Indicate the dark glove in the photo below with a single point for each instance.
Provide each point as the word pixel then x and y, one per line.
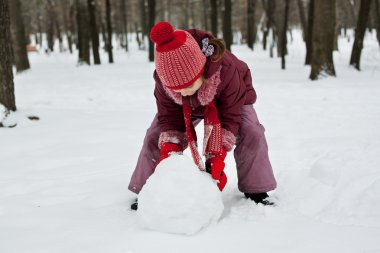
pixel 215 166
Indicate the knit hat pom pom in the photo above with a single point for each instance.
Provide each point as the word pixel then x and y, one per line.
pixel 162 32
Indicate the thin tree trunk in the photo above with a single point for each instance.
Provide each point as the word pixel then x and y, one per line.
pixel 124 24
pixel 359 33
pixel 83 33
pixel 151 16
pixel 227 24
pixel 94 31
pixel 58 32
pixel 309 37
pixel 351 3
pixel 39 28
pixel 214 17
pixel 66 25
pixel 284 31
pixel 109 31
pixel 301 10
pixel 251 23
pixel 266 27
pixel 323 39
pixel 18 36
pixel 271 12
pixel 50 26
pixel 143 18
pixel 377 19
pixel 79 29
pixel 7 95
pixel 205 11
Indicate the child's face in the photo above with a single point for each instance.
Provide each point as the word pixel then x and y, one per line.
pixel 189 91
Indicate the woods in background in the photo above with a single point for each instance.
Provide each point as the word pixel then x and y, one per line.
pixel 85 27
pixel 93 25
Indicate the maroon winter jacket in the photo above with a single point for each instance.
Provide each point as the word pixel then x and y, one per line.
pixel 231 88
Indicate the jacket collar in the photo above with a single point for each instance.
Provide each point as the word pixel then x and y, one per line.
pixel 206 92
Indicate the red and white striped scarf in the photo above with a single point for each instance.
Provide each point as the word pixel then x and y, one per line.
pixel 212 142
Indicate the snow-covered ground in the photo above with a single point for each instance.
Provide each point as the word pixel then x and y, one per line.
pixel 63 179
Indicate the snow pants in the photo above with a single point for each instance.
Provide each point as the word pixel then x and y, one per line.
pixel 254 170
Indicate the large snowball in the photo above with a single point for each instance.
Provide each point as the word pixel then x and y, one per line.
pixel 179 198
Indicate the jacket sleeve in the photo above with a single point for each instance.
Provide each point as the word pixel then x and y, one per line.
pixel 170 117
pixel 230 103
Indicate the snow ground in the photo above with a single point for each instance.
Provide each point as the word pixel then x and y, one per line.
pixel 63 179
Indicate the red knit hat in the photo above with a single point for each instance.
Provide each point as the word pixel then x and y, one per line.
pixel 179 59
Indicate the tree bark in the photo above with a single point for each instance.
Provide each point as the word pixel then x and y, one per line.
pixel 273 25
pixel 39 28
pixel 309 36
pixel 377 19
pixel 94 31
pixel 323 39
pixel 251 27
pixel 143 19
pixel 301 10
pixel 83 33
pixel 205 14
pixel 359 33
pixel 50 26
pixel 284 38
pixel 124 24
pixel 214 17
pixel 227 24
pixel 20 54
pixel 266 27
pixel 66 25
pixel 7 95
pixel 151 16
pixel 109 31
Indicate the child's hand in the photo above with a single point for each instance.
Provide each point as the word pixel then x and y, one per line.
pixel 215 166
pixel 168 149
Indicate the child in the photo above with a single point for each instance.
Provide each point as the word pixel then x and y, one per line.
pixel 197 78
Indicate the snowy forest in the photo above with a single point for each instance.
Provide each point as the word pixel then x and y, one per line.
pixel 77 96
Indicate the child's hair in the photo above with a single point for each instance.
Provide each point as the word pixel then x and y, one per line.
pixel 219 47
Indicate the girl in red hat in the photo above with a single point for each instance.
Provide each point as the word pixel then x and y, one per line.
pixel 197 78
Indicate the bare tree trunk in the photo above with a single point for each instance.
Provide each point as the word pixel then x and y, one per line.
pixel 50 26
pixel 151 16
pixel 352 4
pixel 39 28
pixel 266 27
pixel 301 10
pixel 7 96
pixel 227 24
pixel 109 32
pixel 359 33
pixel 83 33
pixel 124 24
pixel 79 29
pixel 323 39
pixel 72 24
pixel 66 26
pixel 251 27
pixel 309 37
pixel 269 7
pixel 94 31
pixel 214 17
pixel 377 19
pixel 18 36
pixel 143 18
pixel 205 11
pixel 271 11
pixel 58 32
pixel 284 31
